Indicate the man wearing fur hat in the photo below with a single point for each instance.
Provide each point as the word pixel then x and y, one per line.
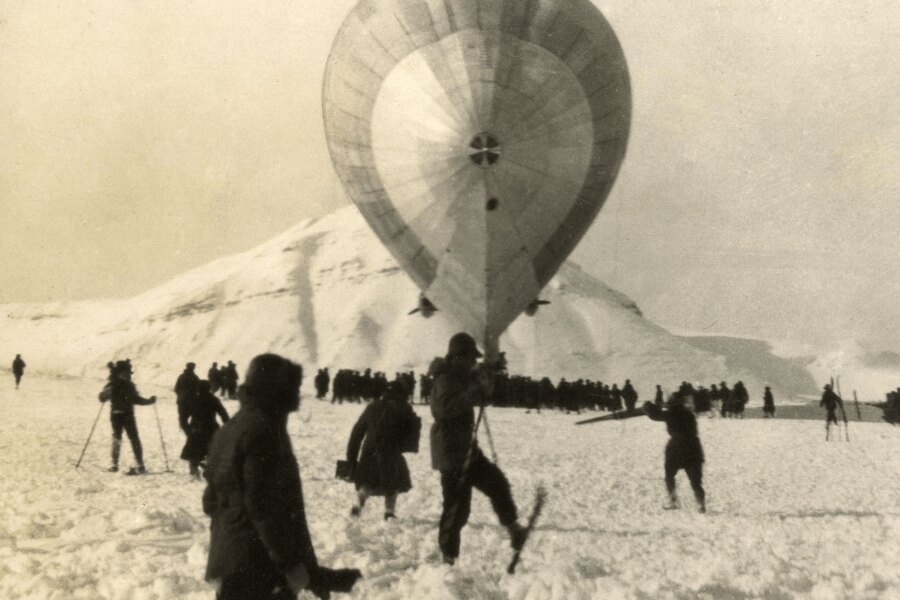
pixel 683 450
pixel 122 396
pixel 260 546
pixel 458 386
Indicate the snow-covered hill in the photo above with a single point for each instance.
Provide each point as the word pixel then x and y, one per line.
pixel 326 293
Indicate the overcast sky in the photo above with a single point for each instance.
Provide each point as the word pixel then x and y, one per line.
pixel 759 195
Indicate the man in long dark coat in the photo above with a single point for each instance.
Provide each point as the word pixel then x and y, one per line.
pixel 380 469
pixel 458 387
pixel 260 545
pixel 197 417
pixel 683 450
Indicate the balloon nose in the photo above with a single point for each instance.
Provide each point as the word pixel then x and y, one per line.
pixel 484 149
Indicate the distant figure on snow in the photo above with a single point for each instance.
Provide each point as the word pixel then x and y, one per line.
pixel 322 383
pixel 831 402
pixel 459 385
pixel 231 379
pixel 215 379
pixel 260 546
pixel 683 451
pixel 768 403
pixel 18 369
pixel 122 395
pixel 198 421
pixel 382 430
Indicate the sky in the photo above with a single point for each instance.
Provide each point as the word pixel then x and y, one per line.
pixel 759 195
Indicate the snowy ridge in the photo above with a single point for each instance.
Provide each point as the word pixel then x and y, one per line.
pixel 326 293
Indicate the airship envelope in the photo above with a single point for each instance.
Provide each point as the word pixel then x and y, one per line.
pixel 479 139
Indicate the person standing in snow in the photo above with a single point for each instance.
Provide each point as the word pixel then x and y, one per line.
pixel 683 451
pixel 215 380
pixel 629 395
pixel 185 392
pixel 380 470
pixel 768 403
pixel 458 386
pixel 18 368
pixel 198 421
pixel 231 379
pixel 122 395
pixel 831 402
pixel 260 546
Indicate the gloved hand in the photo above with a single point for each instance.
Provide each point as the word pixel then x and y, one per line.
pixel 152 399
pixel 297 579
pixel 323 581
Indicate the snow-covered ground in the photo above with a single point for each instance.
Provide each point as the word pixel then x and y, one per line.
pixel 791 516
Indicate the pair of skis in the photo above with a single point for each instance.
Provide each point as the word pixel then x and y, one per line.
pixel 540 496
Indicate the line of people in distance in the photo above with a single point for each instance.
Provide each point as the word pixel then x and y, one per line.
pixel 521 391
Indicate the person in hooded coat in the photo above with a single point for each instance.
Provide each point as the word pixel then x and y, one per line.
pixel 458 386
pixel 198 421
pixel 380 469
pixel 260 546
pixel 683 451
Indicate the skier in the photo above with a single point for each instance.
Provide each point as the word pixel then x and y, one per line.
pixel 683 451
pixel 459 385
pixel 198 421
pixel 768 403
pixel 18 368
pixel 185 392
pixel 260 546
pixel 380 470
pixel 123 395
pixel 830 401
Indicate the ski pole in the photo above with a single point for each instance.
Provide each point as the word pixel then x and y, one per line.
pixel 856 404
pixel 846 427
pixel 90 435
pixel 161 438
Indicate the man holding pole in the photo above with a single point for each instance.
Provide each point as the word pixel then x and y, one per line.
pixel 460 384
pixel 122 396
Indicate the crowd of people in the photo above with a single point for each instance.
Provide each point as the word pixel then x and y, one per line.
pixel 260 542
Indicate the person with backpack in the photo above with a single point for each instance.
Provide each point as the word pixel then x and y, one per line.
pixel 198 421
pixel 459 385
pixel 122 395
pixel 260 545
pixel 383 431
